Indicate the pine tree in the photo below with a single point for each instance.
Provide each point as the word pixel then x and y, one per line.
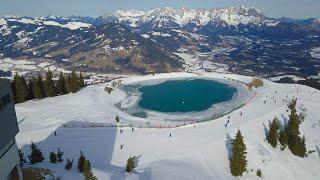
pixel 38 89
pixel 81 162
pixel 302 148
pixel 59 155
pixel 61 85
pixel 292 104
pixel 297 146
pixel 88 175
pixel 68 83
pixel 81 81
pixel 259 173
pixel 23 93
pixel 49 87
pixel 74 82
pixel 131 164
pixel 283 138
pixel 290 136
pixel 69 163
pixel 117 119
pixel 13 88
pixel 53 157
pixel 36 154
pixel 238 161
pixel 20 89
pixel 21 156
pixel 294 122
pixel 272 136
pixel 30 89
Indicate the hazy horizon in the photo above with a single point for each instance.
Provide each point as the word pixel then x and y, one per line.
pixel 94 8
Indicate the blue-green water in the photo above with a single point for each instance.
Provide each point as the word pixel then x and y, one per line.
pixel 184 95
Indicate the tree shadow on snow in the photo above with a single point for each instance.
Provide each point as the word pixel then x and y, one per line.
pixel 284 122
pixel 97 144
pixel 145 175
pixel 229 145
pixel 318 149
pixel 266 129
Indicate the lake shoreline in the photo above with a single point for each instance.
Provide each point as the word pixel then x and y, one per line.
pixel 129 103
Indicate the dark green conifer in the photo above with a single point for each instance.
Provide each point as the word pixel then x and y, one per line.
pixel 283 138
pixel 131 164
pixel 74 82
pixel 88 175
pixel 259 173
pixel 302 152
pixel 117 119
pixel 36 154
pixel 59 155
pixel 81 81
pixel 30 89
pixel 238 161
pixel 20 89
pixel 38 90
pixel 68 165
pixel 49 87
pixel 53 157
pixel 68 79
pixel 13 88
pixel 22 159
pixel 272 136
pixel 290 136
pixel 81 162
pixel 61 85
pixel 24 87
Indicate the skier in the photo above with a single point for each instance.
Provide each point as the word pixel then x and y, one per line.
pixel 170 135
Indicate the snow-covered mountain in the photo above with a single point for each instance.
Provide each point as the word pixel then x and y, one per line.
pixel 108 47
pixel 170 17
pixel 45 21
pixel 141 41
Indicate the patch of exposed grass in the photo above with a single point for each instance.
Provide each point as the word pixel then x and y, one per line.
pixel 108 89
pixel 255 83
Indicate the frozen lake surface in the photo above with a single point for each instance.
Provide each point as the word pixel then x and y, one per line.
pixel 182 99
pixel 184 95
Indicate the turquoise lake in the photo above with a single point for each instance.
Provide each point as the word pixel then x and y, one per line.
pixel 184 95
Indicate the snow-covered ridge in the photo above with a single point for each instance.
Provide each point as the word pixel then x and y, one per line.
pixel 43 21
pixel 183 16
pixel 69 25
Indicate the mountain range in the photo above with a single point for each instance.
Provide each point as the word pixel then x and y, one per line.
pixel 142 41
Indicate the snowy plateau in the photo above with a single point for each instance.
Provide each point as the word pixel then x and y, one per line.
pixel 195 151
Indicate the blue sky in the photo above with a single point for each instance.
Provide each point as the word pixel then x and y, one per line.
pixel 272 8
